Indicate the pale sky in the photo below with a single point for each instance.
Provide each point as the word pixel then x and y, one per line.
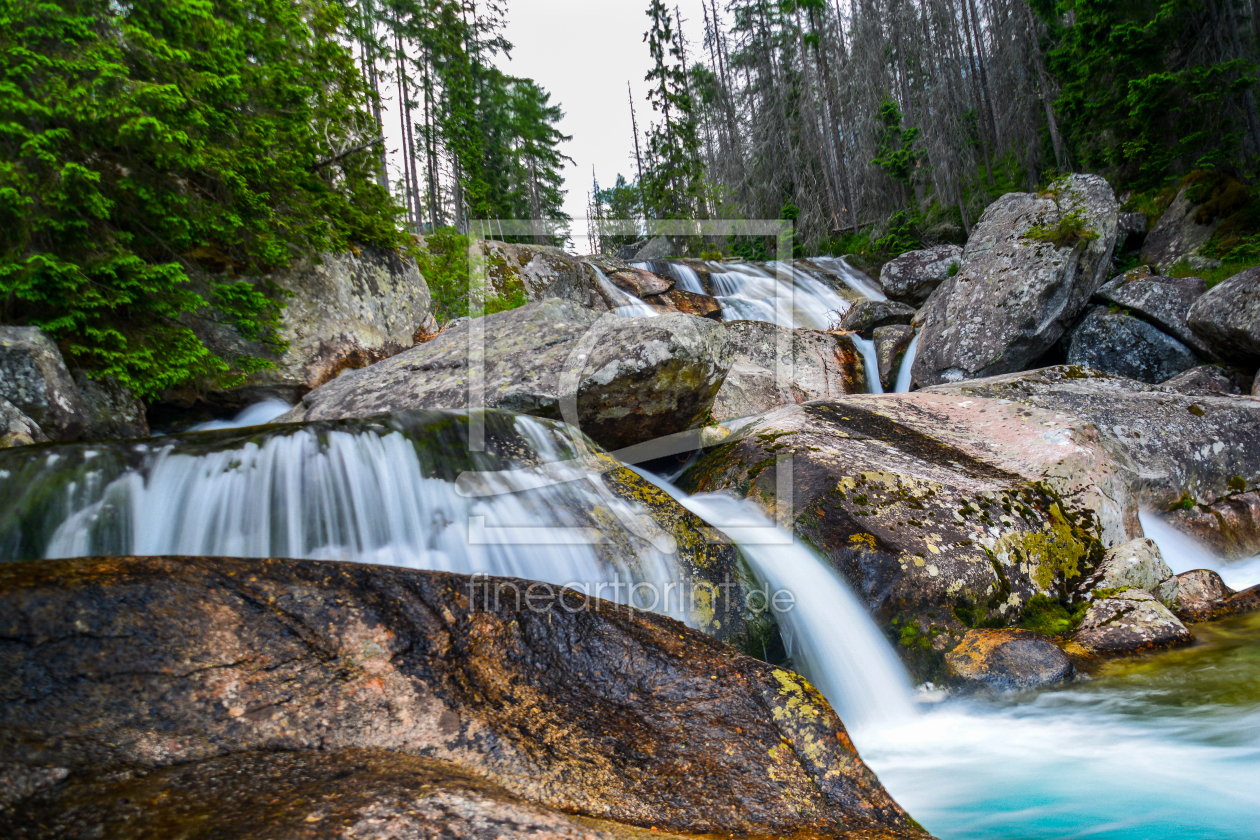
pixel 583 52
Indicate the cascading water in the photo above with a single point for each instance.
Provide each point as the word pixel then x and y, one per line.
pixel 905 372
pixel 855 280
pixel 1182 554
pixel 625 304
pixel 789 297
pixel 255 415
pixel 379 491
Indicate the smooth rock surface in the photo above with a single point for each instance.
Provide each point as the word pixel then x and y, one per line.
pixel 1005 660
pixel 865 316
pixel 634 379
pixel 112 410
pixel 1176 236
pixel 775 366
pixel 1198 591
pixel 911 277
pixel 35 380
pixel 1137 564
pixel 16 429
pixel 1132 621
pixel 565 701
pixel 1013 297
pixel 1211 380
pixel 1227 318
pixel 1164 302
pixel 345 311
pixel 1121 345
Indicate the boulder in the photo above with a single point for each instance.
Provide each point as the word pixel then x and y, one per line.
pixel 1177 235
pixel 347 794
pixel 1246 601
pixel 813 365
pixel 112 410
pixel 16 429
pixel 1162 301
pixel 1005 660
pixel 692 303
pixel 911 277
pixel 1014 296
pixel 1211 380
pixel 865 316
pixel 891 344
pixel 343 311
pixel 1131 621
pixel 659 248
pixel 35 380
pixel 1227 318
pixel 953 506
pixel 634 379
pixel 1119 344
pixel 1228 527
pixel 539 272
pixel 558 699
pixel 1198 592
pixel 1136 564
pixel 1130 224
pixel 630 279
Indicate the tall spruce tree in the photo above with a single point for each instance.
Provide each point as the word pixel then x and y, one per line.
pixel 673 180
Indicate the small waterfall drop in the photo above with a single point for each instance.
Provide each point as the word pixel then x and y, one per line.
pixel 855 280
pixel 686 278
pixel 254 415
pixel 871 361
pixel 625 304
pixel 1183 554
pixel 827 633
pixel 905 372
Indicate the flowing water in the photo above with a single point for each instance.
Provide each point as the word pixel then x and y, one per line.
pixel 1182 554
pixel 255 415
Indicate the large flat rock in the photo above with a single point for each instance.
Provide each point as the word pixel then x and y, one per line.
pixel 1014 296
pixel 143 663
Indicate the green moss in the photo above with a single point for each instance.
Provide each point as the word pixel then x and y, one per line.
pixel 1186 502
pixel 1050 617
pixel 1237 484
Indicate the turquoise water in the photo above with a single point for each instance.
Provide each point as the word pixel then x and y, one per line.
pixel 1161 747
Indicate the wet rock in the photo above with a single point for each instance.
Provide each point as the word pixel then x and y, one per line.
pixel 1211 380
pixel 911 277
pixel 775 366
pixel 1228 527
pixel 692 303
pixel 1129 622
pixel 953 506
pixel 891 344
pixel 35 380
pixel 1176 236
pixel 635 379
pixel 865 316
pixel 1136 564
pixel 1119 344
pixel 1198 591
pixel 345 311
pixel 1162 301
pixel 112 410
pixel 1227 318
pixel 1246 601
pixel 1005 660
pixel 561 700
pixel 1013 296
pixel 16 429
pixel 350 794
pixel 630 279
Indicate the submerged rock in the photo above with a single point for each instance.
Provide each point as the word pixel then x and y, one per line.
pixel 1227 318
pixel 1119 344
pixel 775 366
pixel 634 379
pixel 561 700
pixel 35 380
pixel 1004 660
pixel 1015 295
pixel 1131 621
pixel 911 277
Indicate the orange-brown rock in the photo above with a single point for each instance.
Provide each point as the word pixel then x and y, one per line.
pixel 1004 659
pixel 135 664
pixel 1230 527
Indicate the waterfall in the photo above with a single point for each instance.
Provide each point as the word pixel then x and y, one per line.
pixel 378 491
pixel 789 297
pixel 828 634
pixel 254 415
pixel 1183 554
pixel 904 373
pixel 871 360
pixel 855 280
pixel 625 305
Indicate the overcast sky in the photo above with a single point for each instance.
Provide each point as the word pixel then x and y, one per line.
pixel 583 52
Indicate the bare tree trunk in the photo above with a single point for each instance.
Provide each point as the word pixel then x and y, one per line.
pixel 1060 158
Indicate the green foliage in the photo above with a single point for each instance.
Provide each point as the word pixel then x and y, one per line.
pixel 158 157
pixel 902 236
pixel 443 260
pixel 1069 228
pixel 1139 100
pixel 953 269
pixel 673 183
pixel 898 156
pixel 1049 617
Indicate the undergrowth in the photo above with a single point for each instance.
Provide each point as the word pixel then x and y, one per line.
pixel 443 260
pixel 1049 617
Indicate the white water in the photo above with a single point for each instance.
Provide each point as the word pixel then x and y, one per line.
pixel 357 495
pixel 1182 554
pixel 871 362
pixel 904 372
pixel 625 305
pixel 255 415
pixel 685 276
pixel 789 297
pixel 855 280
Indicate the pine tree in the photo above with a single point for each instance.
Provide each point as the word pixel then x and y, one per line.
pixel 673 180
